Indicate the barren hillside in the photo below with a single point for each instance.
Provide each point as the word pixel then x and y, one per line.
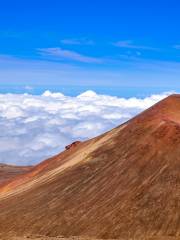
pixel 123 184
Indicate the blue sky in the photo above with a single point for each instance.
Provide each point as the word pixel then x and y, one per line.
pixel 102 45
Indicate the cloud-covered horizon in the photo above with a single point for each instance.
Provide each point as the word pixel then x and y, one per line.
pixel 35 127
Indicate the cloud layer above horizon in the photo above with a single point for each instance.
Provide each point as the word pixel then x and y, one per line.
pixel 35 127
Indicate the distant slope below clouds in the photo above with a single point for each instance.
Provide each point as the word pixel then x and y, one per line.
pixel 8 172
pixel 34 127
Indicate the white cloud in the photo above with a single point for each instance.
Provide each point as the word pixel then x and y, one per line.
pixel 33 128
pixel 75 41
pixel 177 46
pixel 68 55
pixel 28 88
pixel 129 44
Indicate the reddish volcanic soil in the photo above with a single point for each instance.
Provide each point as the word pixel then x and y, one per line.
pixel 8 172
pixel 40 237
pixel 124 184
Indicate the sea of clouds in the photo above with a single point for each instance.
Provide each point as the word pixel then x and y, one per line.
pixel 35 127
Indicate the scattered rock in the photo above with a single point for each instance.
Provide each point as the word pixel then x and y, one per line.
pixel 72 145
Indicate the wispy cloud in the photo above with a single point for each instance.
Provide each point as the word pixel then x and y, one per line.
pixel 122 71
pixel 177 46
pixel 68 55
pixel 75 41
pixel 129 44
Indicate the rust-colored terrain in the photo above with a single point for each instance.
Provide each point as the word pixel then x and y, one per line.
pixel 124 184
pixel 7 172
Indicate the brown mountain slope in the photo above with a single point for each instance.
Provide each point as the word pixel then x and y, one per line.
pixel 122 184
pixel 8 172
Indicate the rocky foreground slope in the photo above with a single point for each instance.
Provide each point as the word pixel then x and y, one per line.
pixel 123 184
